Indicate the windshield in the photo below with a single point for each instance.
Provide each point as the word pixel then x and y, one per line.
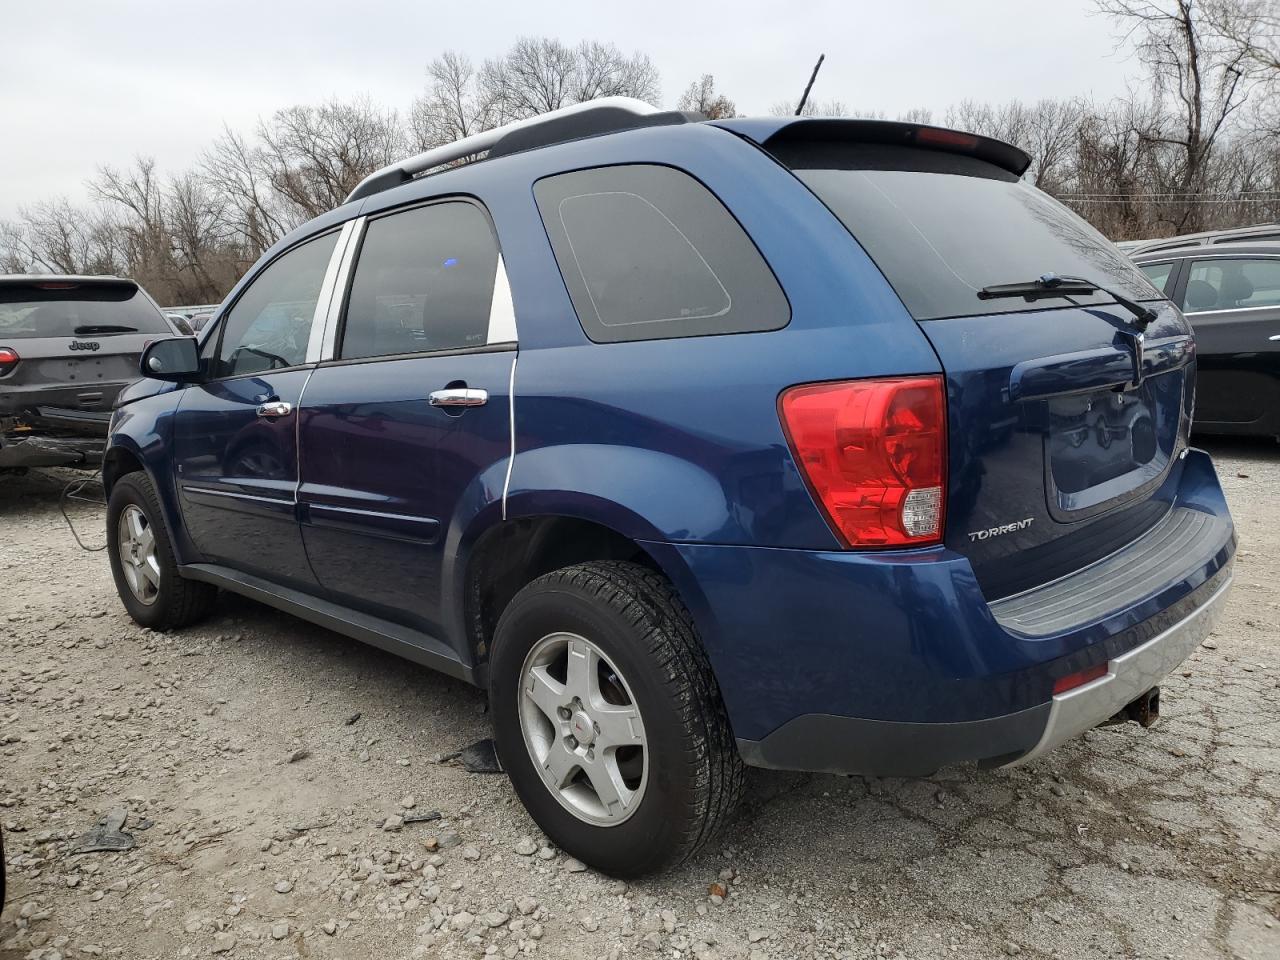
pixel 31 310
pixel 941 228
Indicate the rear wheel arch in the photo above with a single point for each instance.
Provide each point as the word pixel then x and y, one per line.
pixel 513 553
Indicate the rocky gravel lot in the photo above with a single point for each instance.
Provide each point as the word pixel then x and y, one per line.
pixel 277 770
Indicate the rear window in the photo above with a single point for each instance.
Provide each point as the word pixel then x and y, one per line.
pixel 647 253
pixel 53 309
pixel 942 226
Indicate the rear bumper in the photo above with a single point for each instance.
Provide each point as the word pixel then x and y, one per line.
pixel 91 400
pixel 42 451
pixel 896 664
pixel 832 744
pixel 1128 676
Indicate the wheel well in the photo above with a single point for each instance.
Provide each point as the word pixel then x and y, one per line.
pixel 115 465
pixel 519 551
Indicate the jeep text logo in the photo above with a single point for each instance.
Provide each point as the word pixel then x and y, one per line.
pixel 84 345
pixel 998 531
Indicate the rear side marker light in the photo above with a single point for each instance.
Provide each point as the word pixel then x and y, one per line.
pixel 1079 678
pixel 8 360
pixel 872 453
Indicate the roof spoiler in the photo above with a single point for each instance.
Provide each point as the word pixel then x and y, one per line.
pixel 768 133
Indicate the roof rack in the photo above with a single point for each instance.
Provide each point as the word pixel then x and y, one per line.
pixel 589 118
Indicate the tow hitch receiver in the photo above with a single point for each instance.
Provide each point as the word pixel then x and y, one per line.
pixel 1144 711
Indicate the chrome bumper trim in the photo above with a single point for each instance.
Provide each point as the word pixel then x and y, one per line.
pixel 1128 677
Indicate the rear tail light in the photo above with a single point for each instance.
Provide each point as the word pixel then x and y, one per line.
pixel 873 454
pixel 1079 678
pixel 8 360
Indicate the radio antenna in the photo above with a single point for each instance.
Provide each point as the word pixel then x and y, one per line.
pixel 804 97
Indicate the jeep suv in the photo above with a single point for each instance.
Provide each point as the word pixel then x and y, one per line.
pixel 824 445
pixel 67 346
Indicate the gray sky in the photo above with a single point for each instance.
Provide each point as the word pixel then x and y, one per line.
pixel 87 82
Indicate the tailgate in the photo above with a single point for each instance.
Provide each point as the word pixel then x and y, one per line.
pixel 82 373
pixel 1060 453
pixel 1066 420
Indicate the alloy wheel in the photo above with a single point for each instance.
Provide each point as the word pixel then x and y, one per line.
pixel 583 729
pixel 138 558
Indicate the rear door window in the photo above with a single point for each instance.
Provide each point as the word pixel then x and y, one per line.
pixel 1230 284
pixel 1158 274
pixel 941 227
pixel 59 308
pixel 269 326
pixel 648 253
pixel 424 282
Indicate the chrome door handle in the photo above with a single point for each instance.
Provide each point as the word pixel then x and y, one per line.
pixel 459 397
pixel 275 408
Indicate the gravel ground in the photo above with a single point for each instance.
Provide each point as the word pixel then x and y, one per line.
pixel 265 758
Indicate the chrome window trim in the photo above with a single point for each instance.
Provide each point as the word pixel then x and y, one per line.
pixel 1201 313
pixel 341 285
pixel 320 319
pixel 1225 255
pixel 511 416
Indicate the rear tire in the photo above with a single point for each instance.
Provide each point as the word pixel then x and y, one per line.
pixel 142 560
pixel 675 776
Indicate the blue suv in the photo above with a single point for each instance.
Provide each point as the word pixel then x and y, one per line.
pixel 807 444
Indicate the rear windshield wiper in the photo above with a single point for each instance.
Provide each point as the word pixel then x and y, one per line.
pixel 1051 285
pixel 103 328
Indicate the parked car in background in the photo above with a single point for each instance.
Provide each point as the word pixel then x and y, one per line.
pixel 181 324
pixel 1231 296
pixel 1258 233
pixel 196 315
pixel 67 347
pixel 697 444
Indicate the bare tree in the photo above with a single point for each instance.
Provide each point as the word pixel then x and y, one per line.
pixel 1252 27
pixel 702 97
pixel 453 107
pixel 1047 130
pixel 813 108
pixel 314 156
pixel 52 236
pixel 1204 79
pixel 539 74
pixel 232 169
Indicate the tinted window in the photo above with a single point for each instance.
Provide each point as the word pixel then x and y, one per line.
pixel 941 227
pixel 1232 285
pixel 55 308
pixel 647 252
pixel 269 326
pixel 424 281
pixel 1157 273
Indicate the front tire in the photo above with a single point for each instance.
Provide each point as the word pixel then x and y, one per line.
pixel 608 719
pixel 142 560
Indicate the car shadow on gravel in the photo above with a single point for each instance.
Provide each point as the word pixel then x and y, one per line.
pixel 1258 449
